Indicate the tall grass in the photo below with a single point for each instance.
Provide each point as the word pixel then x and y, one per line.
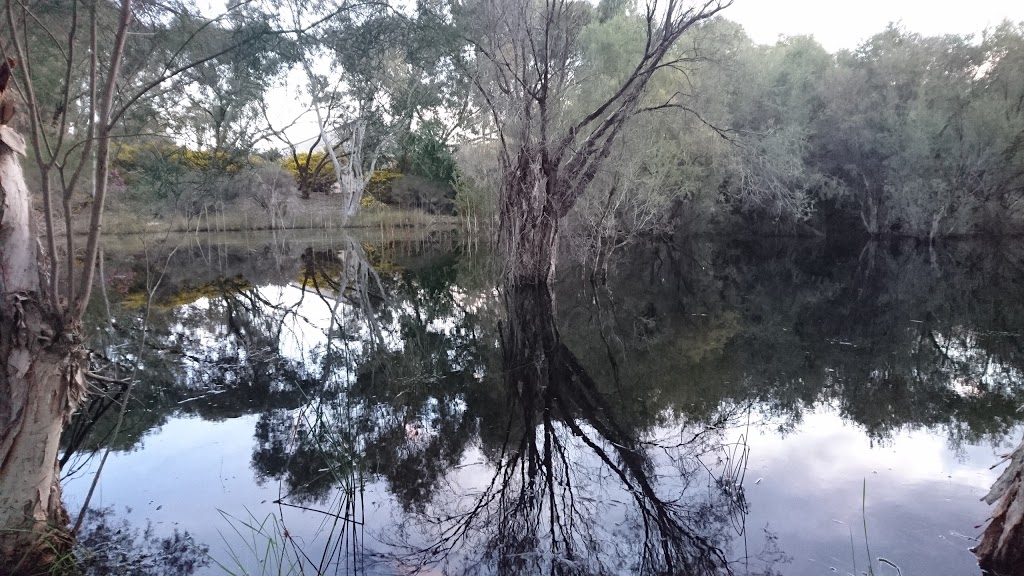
pixel 321 212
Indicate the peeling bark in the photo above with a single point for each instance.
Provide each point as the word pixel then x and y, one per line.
pixel 41 384
pixel 1001 551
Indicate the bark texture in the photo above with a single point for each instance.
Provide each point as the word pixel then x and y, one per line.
pixel 530 214
pixel 19 266
pixel 1001 551
pixel 41 384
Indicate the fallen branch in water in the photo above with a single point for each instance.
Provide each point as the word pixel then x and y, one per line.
pixel 1001 550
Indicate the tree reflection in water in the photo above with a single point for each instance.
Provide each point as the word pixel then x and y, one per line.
pixel 517 440
pixel 107 545
pixel 572 491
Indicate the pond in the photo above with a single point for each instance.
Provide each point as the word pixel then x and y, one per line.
pixel 313 404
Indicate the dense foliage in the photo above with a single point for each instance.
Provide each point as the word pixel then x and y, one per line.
pixel 904 135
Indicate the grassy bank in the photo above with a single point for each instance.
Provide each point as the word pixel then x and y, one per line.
pixel 317 213
pixel 258 239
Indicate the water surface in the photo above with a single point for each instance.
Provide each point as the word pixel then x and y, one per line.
pixel 714 407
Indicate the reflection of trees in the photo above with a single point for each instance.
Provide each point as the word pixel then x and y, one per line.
pixel 785 325
pixel 892 343
pixel 415 373
pixel 217 348
pixel 881 334
pixel 416 394
pixel 108 546
pixel 562 460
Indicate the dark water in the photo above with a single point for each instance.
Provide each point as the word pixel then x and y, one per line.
pixel 715 407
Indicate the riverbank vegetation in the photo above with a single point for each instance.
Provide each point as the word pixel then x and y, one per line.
pixel 904 135
pixel 593 122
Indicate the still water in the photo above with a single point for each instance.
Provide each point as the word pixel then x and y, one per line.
pixel 315 405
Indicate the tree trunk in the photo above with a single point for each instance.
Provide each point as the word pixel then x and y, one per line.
pixel 41 384
pixel 869 214
pixel 933 232
pixel 528 234
pixel 1001 551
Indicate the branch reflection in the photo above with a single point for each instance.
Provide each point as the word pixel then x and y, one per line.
pixel 571 491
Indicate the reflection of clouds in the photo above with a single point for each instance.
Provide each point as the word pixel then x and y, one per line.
pixel 921 506
pixel 194 469
pixel 810 493
pixel 568 500
pixel 828 450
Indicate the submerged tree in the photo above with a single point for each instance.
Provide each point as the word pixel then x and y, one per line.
pixel 550 151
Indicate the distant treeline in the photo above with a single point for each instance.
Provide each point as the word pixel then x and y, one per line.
pixel 906 135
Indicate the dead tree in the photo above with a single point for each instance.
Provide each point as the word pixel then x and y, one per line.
pixel 529 54
pixel 1001 551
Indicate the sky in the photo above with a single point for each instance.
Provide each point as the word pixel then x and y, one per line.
pixel 844 24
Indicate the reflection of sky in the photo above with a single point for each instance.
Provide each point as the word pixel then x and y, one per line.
pixel 921 506
pixel 305 320
pixel 922 500
pixel 187 474
pixel 961 346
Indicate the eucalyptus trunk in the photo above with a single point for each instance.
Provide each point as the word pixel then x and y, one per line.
pixel 40 387
pixel 41 384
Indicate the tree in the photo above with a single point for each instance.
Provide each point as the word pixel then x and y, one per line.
pixel 43 380
pixel 993 130
pixel 892 132
pixel 221 103
pixel 528 57
pixel 77 52
pixel 1000 549
pixel 406 96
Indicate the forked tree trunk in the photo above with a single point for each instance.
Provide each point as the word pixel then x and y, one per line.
pixel 549 155
pixel 41 384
